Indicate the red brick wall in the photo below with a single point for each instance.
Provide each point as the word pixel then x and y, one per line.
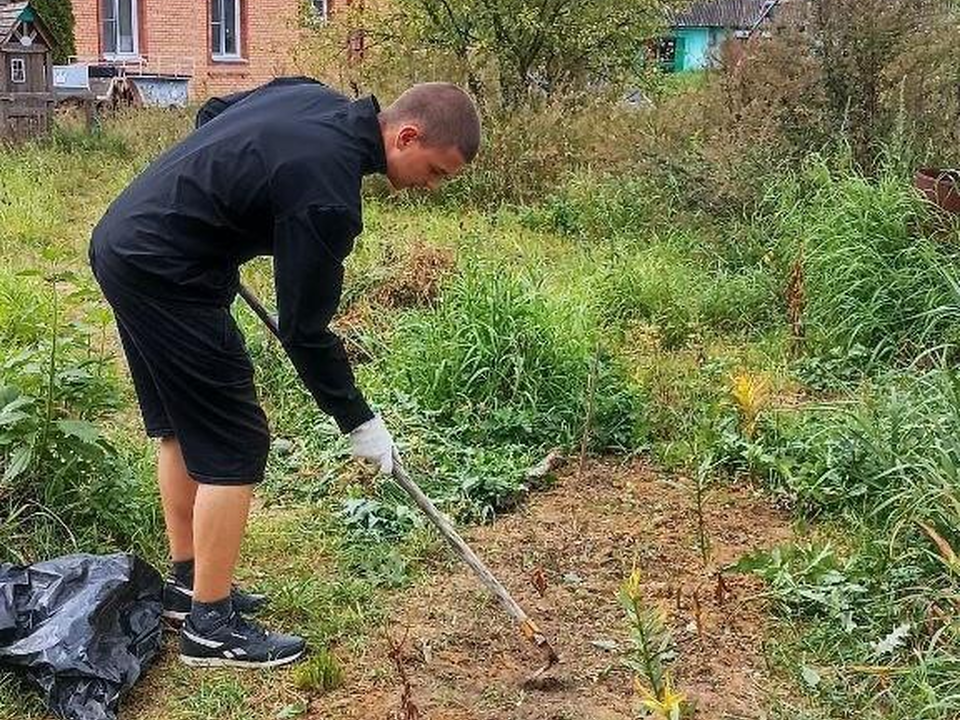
pixel 181 29
pixel 85 28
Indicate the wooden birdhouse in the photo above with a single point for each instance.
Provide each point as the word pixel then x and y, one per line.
pixel 26 72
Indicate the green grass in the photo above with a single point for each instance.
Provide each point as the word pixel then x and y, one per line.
pixel 878 284
pixel 613 273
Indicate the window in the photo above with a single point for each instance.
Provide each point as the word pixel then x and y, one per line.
pixel 666 50
pixel 18 70
pixel 225 28
pixel 320 6
pixel 118 19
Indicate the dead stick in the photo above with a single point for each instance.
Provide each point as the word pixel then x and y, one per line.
pixel 527 626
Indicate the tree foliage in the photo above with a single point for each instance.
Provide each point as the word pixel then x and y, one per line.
pixel 543 45
pixel 57 15
pixel 506 51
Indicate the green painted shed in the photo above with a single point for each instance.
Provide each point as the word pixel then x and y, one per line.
pixel 699 31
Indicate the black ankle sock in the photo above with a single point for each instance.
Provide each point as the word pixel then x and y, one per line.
pixel 209 616
pixel 183 572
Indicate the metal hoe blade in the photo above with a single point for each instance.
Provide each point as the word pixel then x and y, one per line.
pixel 527 626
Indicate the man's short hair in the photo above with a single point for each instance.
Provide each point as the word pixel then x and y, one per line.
pixel 445 114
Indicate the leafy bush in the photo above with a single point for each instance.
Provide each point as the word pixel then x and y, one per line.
pixel 532 152
pixel 870 52
pixel 500 362
pixel 58 17
pixel 871 78
pixel 64 484
pixel 510 53
pixel 526 153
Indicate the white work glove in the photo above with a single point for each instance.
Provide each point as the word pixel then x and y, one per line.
pixel 372 441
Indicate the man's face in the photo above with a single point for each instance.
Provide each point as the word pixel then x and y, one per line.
pixel 413 164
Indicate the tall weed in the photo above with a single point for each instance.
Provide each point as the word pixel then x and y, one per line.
pixel 873 277
pixel 65 484
pixel 498 360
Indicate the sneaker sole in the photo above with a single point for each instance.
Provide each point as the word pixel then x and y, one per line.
pixel 227 662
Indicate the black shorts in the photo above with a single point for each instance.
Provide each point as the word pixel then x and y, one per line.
pixel 192 375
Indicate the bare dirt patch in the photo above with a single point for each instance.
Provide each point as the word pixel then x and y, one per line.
pixel 465 661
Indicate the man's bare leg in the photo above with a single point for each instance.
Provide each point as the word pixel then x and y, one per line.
pixel 177 491
pixel 215 632
pixel 219 520
pixel 220 514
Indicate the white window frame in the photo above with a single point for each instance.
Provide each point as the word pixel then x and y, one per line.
pixel 222 37
pixel 18 71
pixel 134 28
pixel 321 8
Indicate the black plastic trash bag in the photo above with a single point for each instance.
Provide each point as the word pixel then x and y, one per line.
pixel 82 628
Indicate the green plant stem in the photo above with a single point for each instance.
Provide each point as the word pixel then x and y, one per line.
pixel 588 420
pixel 51 375
pixel 649 670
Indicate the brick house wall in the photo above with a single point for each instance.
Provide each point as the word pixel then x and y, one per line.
pixel 179 29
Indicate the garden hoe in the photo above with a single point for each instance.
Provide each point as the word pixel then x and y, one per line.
pixel 527 626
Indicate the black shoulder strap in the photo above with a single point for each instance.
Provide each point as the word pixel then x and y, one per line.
pixel 216 105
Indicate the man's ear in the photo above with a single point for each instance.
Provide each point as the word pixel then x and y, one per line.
pixel 407 135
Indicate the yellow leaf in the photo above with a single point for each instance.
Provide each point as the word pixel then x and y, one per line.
pixel 946 551
pixel 669 706
pixel 750 394
pixel 632 585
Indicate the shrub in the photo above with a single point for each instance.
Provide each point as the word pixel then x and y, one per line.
pixel 527 151
pixel 549 48
pixel 58 17
pixel 65 485
pixel 863 47
pixel 874 79
pixel 496 360
pixel 530 153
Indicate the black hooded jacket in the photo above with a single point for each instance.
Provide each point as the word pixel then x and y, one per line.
pixel 275 171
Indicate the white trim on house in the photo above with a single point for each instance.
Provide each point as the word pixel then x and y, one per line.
pixel 322 8
pixel 134 29
pixel 18 70
pixel 217 52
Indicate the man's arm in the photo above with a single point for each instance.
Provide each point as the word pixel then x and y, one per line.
pixel 309 247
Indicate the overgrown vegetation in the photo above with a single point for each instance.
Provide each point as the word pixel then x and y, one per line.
pixel 738 280
pixel 509 53
pixel 64 482
pixel 58 17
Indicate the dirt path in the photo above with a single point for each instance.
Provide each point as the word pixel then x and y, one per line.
pixel 465 662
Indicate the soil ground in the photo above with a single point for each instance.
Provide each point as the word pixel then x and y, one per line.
pixel 464 661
